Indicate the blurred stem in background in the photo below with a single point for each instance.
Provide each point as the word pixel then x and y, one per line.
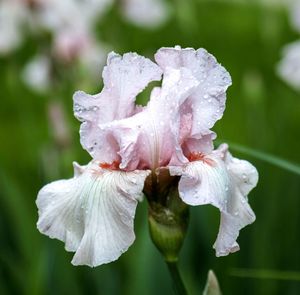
pixel 263 156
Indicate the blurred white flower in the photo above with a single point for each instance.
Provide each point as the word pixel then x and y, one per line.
pixel 58 124
pixel 295 14
pixel 93 58
pixel 76 18
pixel 82 48
pixel 68 45
pixel 72 38
pixel 72 26
pixel 57 15
pixel 37 73
pixel 146 13
pixel 12 16
pixel 289 66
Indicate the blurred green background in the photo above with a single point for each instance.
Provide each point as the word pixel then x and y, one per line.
pixel 262 113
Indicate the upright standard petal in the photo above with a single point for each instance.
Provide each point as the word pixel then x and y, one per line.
pixel 149 139
pixel 92 212
pixel 207 102
pixel 223 181
pixel 124 78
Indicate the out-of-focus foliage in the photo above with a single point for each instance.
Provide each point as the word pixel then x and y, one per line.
pixel 262 113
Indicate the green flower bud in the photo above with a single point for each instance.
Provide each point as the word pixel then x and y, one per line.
pixel 168 225
pixel 168 215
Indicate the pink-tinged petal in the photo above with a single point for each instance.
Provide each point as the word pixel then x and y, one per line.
pixel 150 138
pixel 204 144
pixel 92 212
pixel 203 182
pixel 124 78
pixel 207 102
pixel 243 178
pixel 223 181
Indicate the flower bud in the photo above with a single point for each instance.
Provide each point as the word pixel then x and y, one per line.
pixel 212 285
pixel 168 224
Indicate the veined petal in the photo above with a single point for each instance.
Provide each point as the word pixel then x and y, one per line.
pixel 203 182
pixel 150 138
pixel 243 178
pixel 92 212
pixel 203 144
pixel 207 102
pixel 124 78
pixel 223 181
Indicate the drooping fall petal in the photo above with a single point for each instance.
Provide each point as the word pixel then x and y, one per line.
pixel 92 212
pixel 224 182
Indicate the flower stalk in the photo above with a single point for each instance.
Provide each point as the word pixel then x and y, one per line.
pixel 167 231
pixel 176 278
pixel 168 222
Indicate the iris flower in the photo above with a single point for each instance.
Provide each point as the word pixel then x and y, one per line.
pixel 137 150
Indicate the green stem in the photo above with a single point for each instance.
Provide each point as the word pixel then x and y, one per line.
pixel 176 278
